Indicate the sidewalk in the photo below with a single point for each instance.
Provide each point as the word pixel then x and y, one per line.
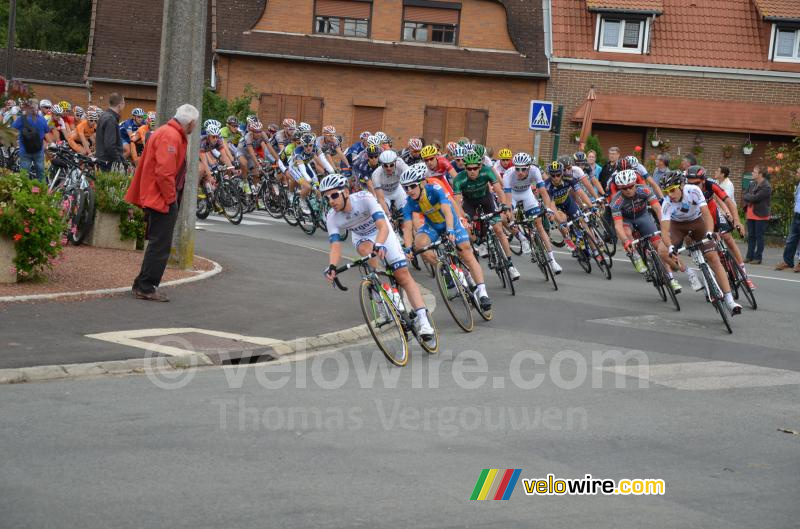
pixel 284 286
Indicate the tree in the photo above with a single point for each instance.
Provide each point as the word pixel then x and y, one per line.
pixel 782 164
pixel 49 25
pixel 219 108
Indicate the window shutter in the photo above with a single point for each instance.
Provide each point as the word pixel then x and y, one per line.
pixel 430 14
pixel 269 109
pixel 477 122
pixel 433 126
pixel 291 108
pixel 311 112
pixel 343 8
pixel 455 124
pixel 366 118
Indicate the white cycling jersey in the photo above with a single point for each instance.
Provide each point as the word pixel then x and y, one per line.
pixel 389 183
pixel 520 186
pixel 688 209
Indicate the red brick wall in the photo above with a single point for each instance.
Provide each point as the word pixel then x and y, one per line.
pixel 406 94
pixel 55 93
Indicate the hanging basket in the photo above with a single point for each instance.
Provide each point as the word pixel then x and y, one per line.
pixel 747 150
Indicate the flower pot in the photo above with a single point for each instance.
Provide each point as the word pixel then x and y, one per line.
pixel 747 151
pixel 105 233
pixel 655 143
pixel 7 254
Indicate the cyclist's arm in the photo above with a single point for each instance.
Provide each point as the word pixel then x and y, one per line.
pixel 448 218
pixel 323 160
pixel 596 183
pixel 336 252
pixel 382 201
pixel 498 189
pixel 665 222
pixel 654 186
pixel 342 157
pixel 619 227
pixel 588 186
pixel 383 229
pixel 582 197
pixel 546 200
pixel 408 233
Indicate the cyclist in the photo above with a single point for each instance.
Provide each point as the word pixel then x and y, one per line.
pixel 503 162
pixel 582 162
pixel 253 147
pixel 577 174
pixel 59 131
pixel 440 219
pixel 330 147
pixel 519 180
pixel 83 137
pixel 386 181
pixel 629 212
pixel 724 214
pixel 356 148
pixel 566 194
pixel 412 153
pixel 285 136
pixel 362 215
pixel 212 151
pixel 365 164
pixel 457 157
pixel 471 188
pixel 438 168
pixel 305 162
pixel 684 209
pixel 641 170
pixel 128 127
pixel 384 140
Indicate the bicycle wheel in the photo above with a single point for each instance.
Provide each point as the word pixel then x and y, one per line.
pixel 599 259
pixel 543 260
pixel 203 208
pixel 741 283
pixel 228 199
pixel 455 298
pixel 652 262
pixel 304 218
pixel 716 297
pixel 556 237
pixel 606 235
pixel 322 215
pixel 83 217
pixel 664 279
pixel 583 259
pixel 289 212
pixel 272 198
pixel 514 242
pixel 383 322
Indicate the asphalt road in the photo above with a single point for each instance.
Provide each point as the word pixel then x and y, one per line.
pixel 341 439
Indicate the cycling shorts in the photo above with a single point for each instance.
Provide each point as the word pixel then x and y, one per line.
pixel 644 224
pixel 434 232
pixel 527 198
pixel 398 196
pixel 570 207
pixel 486 203
pixel 303 172
pixel 395 257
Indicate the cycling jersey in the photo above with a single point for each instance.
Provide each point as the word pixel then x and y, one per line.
pixel 327 147
pixel 283 137
pixel 711 187
pixel 473 190
pixel 207 145
pixel 561 194
pixel 353 151
pixel 125 126
pixel 431 201
pixel 623 207
pixel 520 186
pixel 501 169
pixel 688 209
pixel 74 139
pixel 442 170
pixel 409 158
pixel 234 137
pixel 255 140
pixel 388 183
pixel 361 167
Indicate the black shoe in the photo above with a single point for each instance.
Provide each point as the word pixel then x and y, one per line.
pixel 485 303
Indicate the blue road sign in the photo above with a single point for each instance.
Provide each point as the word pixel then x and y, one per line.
pixel 541 116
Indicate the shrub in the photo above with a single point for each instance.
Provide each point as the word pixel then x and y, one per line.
pixel 219 108
pixel 110 189
pixel 782 163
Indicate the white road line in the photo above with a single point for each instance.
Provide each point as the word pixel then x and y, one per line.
pixel 129 338
pixel 705 376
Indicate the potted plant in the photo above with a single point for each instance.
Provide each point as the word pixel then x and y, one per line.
pixel 747 148
pixel 117 224
pixel 664 145
pixel 31 228
pixel 654 141
pixel 727 151
pixel 577 138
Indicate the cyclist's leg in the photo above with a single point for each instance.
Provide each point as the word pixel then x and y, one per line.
pixel 426 234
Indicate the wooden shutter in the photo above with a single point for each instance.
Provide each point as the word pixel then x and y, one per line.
pixel 626 138
pixel 342 8
pixel 290 108
pixel 366 118
pixel 477 122
pixel 311 112
pixel 433 126
pixel 430 14
pixel 269 109
pixel 455 123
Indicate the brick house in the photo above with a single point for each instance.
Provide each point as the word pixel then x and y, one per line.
pixel 52 75
pixel 703 75
pixel 440 68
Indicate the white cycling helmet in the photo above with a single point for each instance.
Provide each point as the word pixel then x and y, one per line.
pixel 91 115
pixel 458 151
pixel 415 173
pixel 522 159
pixel 387 156
pixel 382 137
pixel 633 161
pixel 209 122
pixel 332 181
pixel 303 127
pixel 138 112
pixel 374 140
pixel 212 129
pixel 625 178
pixel 415 144
pixel 45 103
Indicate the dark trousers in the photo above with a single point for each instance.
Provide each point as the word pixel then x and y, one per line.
pixel 791 242
pixel 755 238
pixel 159 236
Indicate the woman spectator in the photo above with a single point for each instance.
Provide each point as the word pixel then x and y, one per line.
pixel 757 199
pixel 723 179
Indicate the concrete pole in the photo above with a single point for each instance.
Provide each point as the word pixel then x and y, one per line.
pixel 180 80
pixel 12 22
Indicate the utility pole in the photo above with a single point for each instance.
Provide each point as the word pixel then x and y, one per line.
pixel 12 23
pixel 180 80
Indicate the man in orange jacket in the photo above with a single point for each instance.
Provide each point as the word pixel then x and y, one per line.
pixel 157 187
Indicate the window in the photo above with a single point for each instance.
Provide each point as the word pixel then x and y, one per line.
pixel 346 18
pixel 429 24
pixel 273 108
pixel 621 35
pixel 786 45
pixel 449 124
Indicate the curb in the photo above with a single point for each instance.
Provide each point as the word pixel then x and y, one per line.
pixel 278 351
pixel 105 291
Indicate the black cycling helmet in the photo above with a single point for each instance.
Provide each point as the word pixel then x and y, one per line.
pixel 233 120
pixel 622 164
pixel 565 160
pixel 696 172
pixel 373 151
pixel 673 178
pixel 555 168
pixel 579 157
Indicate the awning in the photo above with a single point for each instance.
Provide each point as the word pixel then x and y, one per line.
pixel 692 114
pixel 654 7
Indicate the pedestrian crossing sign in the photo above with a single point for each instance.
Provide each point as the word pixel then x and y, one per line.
pixel 541 116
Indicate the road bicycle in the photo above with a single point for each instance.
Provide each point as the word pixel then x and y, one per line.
pixel 526 227
pixel 586 249
pixel 736 277
pixel 397 220
pixel 72 175
pixel 598 224
pixel 656 272
pixel 384 307
pixel 222 197
pixel 713 292
pixel 496 257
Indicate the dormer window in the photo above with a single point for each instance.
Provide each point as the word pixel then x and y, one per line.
pixel 785 44
pixel 621 34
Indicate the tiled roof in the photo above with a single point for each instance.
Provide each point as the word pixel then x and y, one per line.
pixel 789 9
pixel 692 114
pixel 639 6
pixel 115 57
pixel 51 66
pixel 710 33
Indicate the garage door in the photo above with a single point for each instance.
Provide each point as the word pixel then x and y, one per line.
pixel 626 138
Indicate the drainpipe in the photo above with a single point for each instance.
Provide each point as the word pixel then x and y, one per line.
pixel 547 11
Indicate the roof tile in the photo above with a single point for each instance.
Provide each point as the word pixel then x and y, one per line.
pixel 648 6
pixel 789 9
pixel 36 65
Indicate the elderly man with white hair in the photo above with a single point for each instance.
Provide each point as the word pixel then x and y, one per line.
pixel 157 187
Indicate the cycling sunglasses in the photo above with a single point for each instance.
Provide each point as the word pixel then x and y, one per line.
pixel 521 169
pixel 410 186
pixel 473 168
pixel 670 189
pixel 388 164
pixel 458 160
pixel 372 156
pixel 333 196
pixel 624 188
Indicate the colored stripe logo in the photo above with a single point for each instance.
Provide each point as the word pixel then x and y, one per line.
pixel 496 484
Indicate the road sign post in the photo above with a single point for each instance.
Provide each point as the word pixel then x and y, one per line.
pixel 540 118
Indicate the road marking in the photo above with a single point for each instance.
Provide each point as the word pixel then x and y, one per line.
pixel 706 376
pixel 129 338
pixel 776 278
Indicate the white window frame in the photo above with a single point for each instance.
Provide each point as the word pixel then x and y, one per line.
pixel 644 33
pixel 773 45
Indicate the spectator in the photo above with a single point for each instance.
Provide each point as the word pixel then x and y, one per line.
pixel 157 187
pixel 108 150
pixel 662 168
pixel 722 176
pixel 591 159
pixel 790 250
pixel 756 202
pixel 687 161
pixel 32 129
pixel 609 168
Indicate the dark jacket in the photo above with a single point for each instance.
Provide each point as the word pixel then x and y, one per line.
pixel 759 196
pixel 109 142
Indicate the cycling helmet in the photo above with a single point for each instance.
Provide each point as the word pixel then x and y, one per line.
pixel 459 151
pixel 333 181
pixel 412 175
pixel 672 178
pixel 429 151
pixel 272 128
pixel 472 158
pixel 45 103
pixel 505 154
pixel 232 120
pixel 579 157
pixel 209 122
pixel 451 145
pixel 388 156
pixel 480 150
pixel 65 105
pixel 138 112
pixel 151 117
pixel 373 141
pixel 622 164
pixel 255 126
pixel 469 147
pixel 78 111
pixel 633 161
pixel 415 144
pixel 289 123
pixel 304 127
pixel 522 159
pixel 329 129
pixel 565 160
pixel 373 150
pixel 696 172
pixel 57 110
pixel 555 168
pixel 364 135
pixel 625 178
pixel 382 137
pixel 212 129
pixel 91 115
pixel 308 139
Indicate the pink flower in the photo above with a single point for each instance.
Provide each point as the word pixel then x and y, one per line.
pixel 74 230
pixel 63 241
pixel 27 230
pixel 53 243
pixel 34 189
pixel 13 270
pixel 31 211
pixel 50 221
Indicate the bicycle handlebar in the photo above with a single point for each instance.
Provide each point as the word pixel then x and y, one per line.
pixel 348 266
pixel 640 239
